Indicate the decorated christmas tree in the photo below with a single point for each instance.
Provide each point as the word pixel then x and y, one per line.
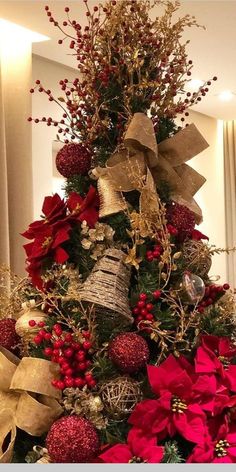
pixel 118 346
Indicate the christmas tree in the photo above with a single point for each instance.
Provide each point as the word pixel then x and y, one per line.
pixel 118 346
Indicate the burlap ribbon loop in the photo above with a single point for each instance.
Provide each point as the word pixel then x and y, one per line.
pixel 7 425
pixel 127 169
pixel 27 395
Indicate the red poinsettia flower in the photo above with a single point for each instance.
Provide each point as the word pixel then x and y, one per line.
pixel 176 411
pixel 54 210
pixel 84 208
pixel 221 449
pixel 173 374
pixel 214 356
pixel 170 415
pixel 140 447
pixel 47 244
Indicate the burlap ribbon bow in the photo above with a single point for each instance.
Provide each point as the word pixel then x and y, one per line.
pixel 142 164
pixel 27 398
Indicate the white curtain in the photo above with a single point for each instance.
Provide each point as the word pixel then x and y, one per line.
pixel 230 196
pixel 4 224
pixel 16 195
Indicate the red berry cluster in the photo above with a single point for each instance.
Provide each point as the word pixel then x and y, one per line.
pixel 212 294
pixel 104 59
pixel 143 310
pixel 72 356
pixel 154 253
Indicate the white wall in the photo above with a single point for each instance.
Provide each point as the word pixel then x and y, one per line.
pixel 209 163
pixel 50 73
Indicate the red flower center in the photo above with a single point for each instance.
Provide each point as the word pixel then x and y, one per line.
pixel 224 360
pixel 76 209
pixel 136 460
pixel 47 241
pixel 221 448
pixel 178 405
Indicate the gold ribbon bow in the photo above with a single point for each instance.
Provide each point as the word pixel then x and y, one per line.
pixel 27 398
pixel 142 164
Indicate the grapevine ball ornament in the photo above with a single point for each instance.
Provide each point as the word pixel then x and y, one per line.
pixel 72 439
pixel 73 159
pixel 9 339
pixel 181 218
pixel 196 257
pixel 129 352
pixel 119 396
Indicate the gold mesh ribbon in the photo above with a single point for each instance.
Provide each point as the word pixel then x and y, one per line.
pixel 142 164
pixel 27 398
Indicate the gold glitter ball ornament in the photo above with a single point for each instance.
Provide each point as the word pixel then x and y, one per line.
pixel 197 257
pixel 23 329
pixel 120 396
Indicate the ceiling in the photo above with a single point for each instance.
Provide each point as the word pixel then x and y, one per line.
pixel 213 50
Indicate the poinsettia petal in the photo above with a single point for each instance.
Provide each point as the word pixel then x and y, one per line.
pixel 60 255
pixel 223 460
pixel 232 452
pixel 28 248
pixel 197 235
pixel 50 202
pixel 61 236
pixel 220 403
pixel 231 377
pixel 90 215
pixel 118 454
pixel 226 349
pixel 210 343
pixel 161 377
pixel 190 425
pixel 202 453
pixel 91 198
pixel 153 454
pixel 162 421
pixel 144 415
pixel 205 384
pixel 181 385
pixel 74 201
pixel 187 366
pixel 204 391
pixel 231 436
pixel 204 362
pixel 138 441
pixel 34 229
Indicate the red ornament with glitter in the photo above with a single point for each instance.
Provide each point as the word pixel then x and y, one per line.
pixel 129 352
pixel 181 218
pixel 73 159
pixel 72 439
pixel 9 339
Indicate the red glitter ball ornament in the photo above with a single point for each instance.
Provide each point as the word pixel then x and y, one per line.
pixel 73 159
pixel 181 218
pixel 129 352
pixel 9 339
pixel 72 439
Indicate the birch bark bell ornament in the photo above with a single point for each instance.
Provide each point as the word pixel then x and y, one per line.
pixel 107 288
